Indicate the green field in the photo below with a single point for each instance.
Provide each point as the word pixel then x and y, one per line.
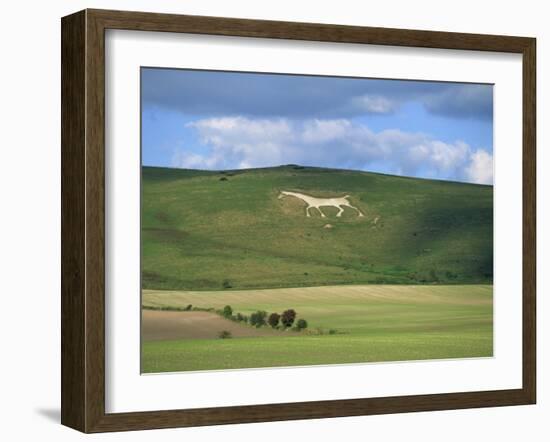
pixel 412 279
pixel 213 230
pixel 370 324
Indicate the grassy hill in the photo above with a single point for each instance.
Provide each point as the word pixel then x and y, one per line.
pixel 204 230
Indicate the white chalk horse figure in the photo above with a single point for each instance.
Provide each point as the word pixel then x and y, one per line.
pixel 317 203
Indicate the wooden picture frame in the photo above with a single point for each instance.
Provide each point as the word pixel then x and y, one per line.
pixel 83 220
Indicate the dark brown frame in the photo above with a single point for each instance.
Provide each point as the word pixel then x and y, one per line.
pixel 83 217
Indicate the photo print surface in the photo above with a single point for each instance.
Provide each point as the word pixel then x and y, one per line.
pixel 296 220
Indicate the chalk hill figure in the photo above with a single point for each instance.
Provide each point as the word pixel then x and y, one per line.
pixel 317 203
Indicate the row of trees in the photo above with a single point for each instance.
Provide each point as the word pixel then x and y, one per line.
pixel 261 318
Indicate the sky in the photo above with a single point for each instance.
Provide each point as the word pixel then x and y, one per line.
pixel 216 120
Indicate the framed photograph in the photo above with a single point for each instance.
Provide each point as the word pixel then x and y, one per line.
pixel 269 220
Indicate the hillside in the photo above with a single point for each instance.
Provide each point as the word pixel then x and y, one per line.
pixel 205 230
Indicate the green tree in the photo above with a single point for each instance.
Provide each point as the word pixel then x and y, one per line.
pixel 257 319
pixel 288 317
pixel 273 319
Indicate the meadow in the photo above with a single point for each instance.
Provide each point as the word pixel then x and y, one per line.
pixel 204 230
pixel 409 280
pixel 347 324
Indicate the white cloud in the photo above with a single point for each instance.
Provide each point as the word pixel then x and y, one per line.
pixel 239 142
pixel 189 160
pixel 480 169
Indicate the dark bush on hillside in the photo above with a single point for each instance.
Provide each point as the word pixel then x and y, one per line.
pixel 223 178
pixel 301 324
pixel 288 317
pixel 203 309
pixel 227 311
pixel 224 334
pixel 226 284
pixel 188 308
pixel 257 319
pixel 241 318
pixel 273 319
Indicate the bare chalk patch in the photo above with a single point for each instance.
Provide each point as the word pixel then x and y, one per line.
pixel 316 203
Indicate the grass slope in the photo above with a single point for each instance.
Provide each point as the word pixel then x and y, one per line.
pixel 373 323
pixel 214 230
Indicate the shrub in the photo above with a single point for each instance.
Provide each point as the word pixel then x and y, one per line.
pixel 332 331
pixel 205 309
pixel 224 334
pixel 188 308
pixel 223 178
pixel 301 324
pixel 240 317
pixel 226 284
pixel 273 319
pixel 227 311
pixel 288 317
pixel 257 319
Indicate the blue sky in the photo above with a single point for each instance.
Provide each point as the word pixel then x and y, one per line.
pixel 226 120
